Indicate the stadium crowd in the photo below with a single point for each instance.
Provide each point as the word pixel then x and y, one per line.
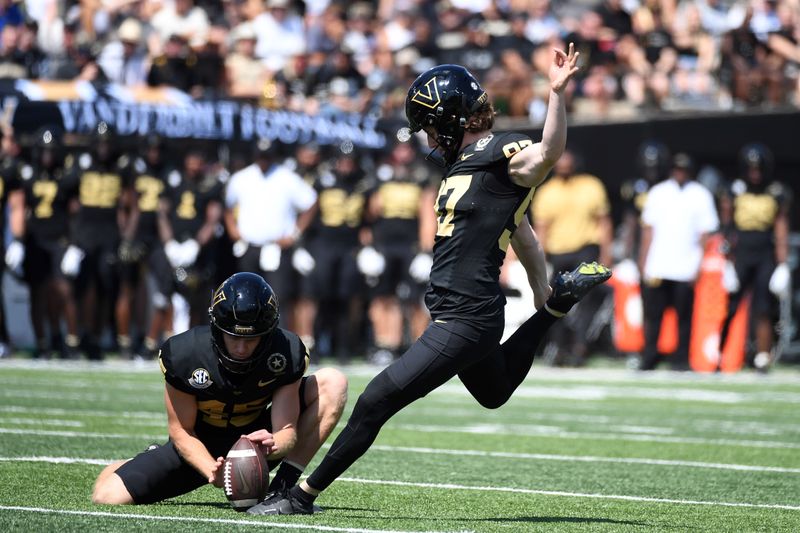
pixel 360 56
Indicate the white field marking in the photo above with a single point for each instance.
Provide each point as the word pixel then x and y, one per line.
pixel 101 397
pixel 41 422
pixel 452 486
pixel 601 393
pixel 57 411
pixel 48 433
pixel 119 384
pixel 587 459
pixel 57 460
pixel 783 376
pixel 534 431
pixel 282 526
pixel 484 429
pixel 483 453
pixel 736 427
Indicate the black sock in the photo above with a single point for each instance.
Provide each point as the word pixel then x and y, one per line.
pixel 301 495
pixel 287 476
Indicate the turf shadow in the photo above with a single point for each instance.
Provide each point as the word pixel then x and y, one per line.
pixel 563 519
pixel 219 505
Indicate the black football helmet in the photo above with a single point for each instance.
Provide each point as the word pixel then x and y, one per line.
pixel 244 305
pixel 756 156
pixel 654 161
pixel 46 146
pixel 443 98
pixel 103 141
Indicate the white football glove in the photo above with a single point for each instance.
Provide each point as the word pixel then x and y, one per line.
pixel 71 262
pixel 303 262
pixel 370 262
pixel 730 281
pixel 240 248
pixel 15 255
pixel 626 272
pixel 174 253
pixel 189 251
pixel 420 268
pixel 781 280
pixel 270 258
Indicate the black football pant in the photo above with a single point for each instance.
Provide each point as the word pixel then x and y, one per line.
pixel 490 371
pixel 656 297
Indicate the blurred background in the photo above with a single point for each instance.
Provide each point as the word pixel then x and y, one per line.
pixel 133 131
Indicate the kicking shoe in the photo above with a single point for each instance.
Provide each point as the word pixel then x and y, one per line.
pixel 283 502
pixel 570 287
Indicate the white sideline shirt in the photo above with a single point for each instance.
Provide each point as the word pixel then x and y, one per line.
pixel 678 216
pixel 267 204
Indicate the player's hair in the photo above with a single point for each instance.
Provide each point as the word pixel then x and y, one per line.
pixel 482 119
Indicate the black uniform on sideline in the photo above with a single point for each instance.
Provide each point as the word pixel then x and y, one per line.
pixel 229 405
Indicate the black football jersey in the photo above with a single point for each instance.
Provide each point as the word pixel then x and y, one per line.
pixel 478 208
pixel 398 221
pixel 227 401
pixel 99 192
pixel 755 210
pixel 149 185
pixel 188 203
pixel 341 210
pixel 48 193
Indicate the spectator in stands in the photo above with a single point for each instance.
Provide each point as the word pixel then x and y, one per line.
pixel 571 216
pixel 11 61
pixel 678 216
pixel 182 18
pixel 541 24
pixel 124 59
pixel 246 75
pixel 175 67
pixel 280 33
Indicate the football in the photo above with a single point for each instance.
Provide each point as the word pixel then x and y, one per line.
pixel 245 475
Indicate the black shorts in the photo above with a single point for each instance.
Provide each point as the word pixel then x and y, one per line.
pixel 284 280
pixel 335 275
pixel 396 279
pixel 42 260
pixel 754 269
pixel 161 473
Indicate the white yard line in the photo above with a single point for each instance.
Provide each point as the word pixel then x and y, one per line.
pixel 186 519
pixel 587 459
pixel 553 432
pixel 476 429
pixel 81 434
pixel 446 486
pixel 451 486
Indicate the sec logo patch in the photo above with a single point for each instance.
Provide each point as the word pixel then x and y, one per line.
pixel 200 379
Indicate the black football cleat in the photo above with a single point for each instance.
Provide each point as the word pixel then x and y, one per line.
pixel 570 287
pixel 282 502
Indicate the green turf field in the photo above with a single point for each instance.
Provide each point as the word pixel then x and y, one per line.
pixel 574 450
